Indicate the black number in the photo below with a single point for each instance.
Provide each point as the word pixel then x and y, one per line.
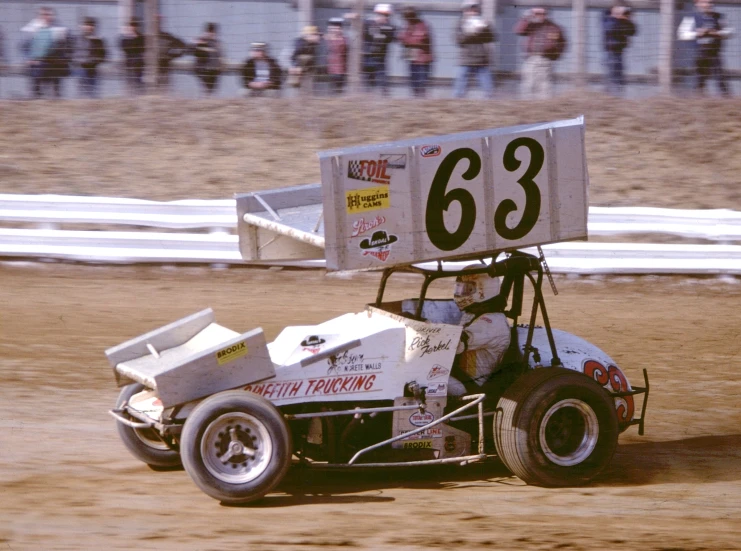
pixel 532 194
pixel 438 201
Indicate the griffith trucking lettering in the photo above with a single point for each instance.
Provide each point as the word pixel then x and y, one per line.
pixel 320 386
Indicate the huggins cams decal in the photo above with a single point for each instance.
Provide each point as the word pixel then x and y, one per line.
pixel 364 200
pixel 379 245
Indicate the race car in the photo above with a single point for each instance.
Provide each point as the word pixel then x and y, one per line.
pixel 383 387
pixel 370 389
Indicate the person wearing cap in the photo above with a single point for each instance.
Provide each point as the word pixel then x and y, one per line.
pixel 378 33
pixel 89 53
pixel 473 35
pixel 261 74
pixel 208 53
pixel 417 41
pixel 304 58
pixel 132 44
pixel 336 44
pixel 545 43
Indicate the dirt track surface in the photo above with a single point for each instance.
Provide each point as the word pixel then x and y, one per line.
pixel 676 153
pixel 66 482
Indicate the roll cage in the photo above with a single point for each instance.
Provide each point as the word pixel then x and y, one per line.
pixel 513 270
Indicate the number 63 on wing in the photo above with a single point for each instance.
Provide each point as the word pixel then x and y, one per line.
pixel 455 196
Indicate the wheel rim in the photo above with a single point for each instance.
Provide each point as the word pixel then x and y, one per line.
pixel 151 439
pixel 569 432
pixel 236 448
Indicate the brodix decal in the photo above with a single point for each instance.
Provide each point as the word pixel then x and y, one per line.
pixel 320 386
pixel 226 355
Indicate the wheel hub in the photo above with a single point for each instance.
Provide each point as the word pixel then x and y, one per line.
pixel 569 432
pixel 236 447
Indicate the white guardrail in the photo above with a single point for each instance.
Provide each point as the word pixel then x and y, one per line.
pixel 220 247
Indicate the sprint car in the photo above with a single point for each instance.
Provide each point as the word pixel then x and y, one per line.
pixel 371 389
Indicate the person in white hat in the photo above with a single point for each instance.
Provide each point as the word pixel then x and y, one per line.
pixel 473 35
pixel 378 33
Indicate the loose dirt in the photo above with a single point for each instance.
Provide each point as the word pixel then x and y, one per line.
pixel 68 483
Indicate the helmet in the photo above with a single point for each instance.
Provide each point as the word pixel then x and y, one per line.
pixel 470 289
pixel 383 9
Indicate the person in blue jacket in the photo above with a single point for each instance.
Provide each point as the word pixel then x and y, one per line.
pixel 618 28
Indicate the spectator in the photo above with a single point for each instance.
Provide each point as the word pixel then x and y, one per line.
pixel 304 59
pixel 417 42
pixel 89 53
pixel 170 48
pixel 378 33
pixel 336 43
pixel 46 46
pixel 208 52
pixel 618 29
pixel 705 27
pixel 261 74
pixel 133 45
pixel 473 34
pixel 545 43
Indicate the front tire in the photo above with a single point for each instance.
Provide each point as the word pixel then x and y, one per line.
pixel 555 427
pixel 144 444
pixel 236 446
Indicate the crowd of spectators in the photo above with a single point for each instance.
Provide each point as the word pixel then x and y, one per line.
pixel 53 52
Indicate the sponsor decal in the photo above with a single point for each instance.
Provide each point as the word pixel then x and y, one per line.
pixel 319 386
pixel 438 371
pixel 419 419
pixel 313 344
pixel 347 362
pixel 427 347
pixel 364 200
pixel 430 150
pixel 613 379
pixel 370 170
pixel 434 432
pixel 417 445
pixel 361 225
pixel 231 353
pixel 379 245
pixel 395 161
pixel 450 443
pixel 436 389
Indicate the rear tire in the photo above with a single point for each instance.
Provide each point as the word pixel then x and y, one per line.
pixel 555 427
pixel 236 446
pixel 144 444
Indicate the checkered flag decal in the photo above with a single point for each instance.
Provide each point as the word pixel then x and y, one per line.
pixel 353 171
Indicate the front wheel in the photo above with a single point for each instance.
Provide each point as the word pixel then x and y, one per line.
pixel 555 427
pixel 144 444
pixel 236 446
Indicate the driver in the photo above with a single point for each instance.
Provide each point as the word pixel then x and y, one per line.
pixel 486 332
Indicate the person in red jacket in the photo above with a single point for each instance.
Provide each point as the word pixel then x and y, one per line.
pixel 545 43
pixel 336 44
pixel 417 41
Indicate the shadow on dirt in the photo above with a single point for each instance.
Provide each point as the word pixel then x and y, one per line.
pixel 306 486
pixel 699 460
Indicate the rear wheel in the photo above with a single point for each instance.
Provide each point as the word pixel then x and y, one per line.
pixel 144 444
pixel 236 446
pixel 556 427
